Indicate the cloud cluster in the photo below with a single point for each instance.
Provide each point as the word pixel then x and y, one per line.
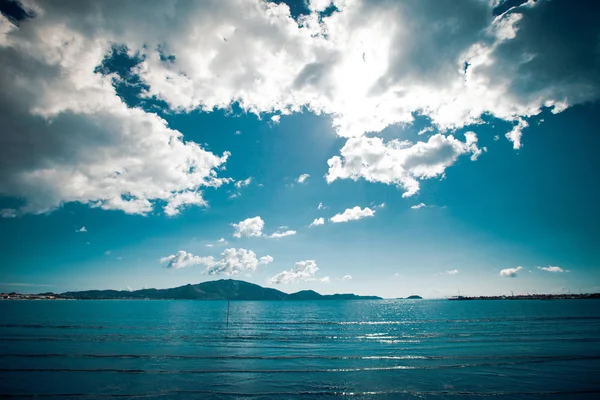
pixel 68 137
pixel 317 222
pixel 399 163
pixel 510 272
pixel 278 234
pixel 302 271
pixel 552 268
pixel 243 183
pixel 250 227
pixel 352 214
pixel 232 262
pixel 303 178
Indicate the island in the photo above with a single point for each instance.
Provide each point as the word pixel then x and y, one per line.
pixel 224 289
pixel 414 297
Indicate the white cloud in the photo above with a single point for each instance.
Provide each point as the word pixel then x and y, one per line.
pixel 238 132
pixel 551 268
pixel 82 229
pixel 352 214
pixel 510 272
pixel 265 260
pixel 277 235
pixel 321 206
pixel 302 271
pixel 232 262
pixel 368 66
pixel 8 213
pixel 184 259
pixel 209 245
pixel 346 277
pixel 302 178
pixel 276 118
pixel 180 200
pixel 68 137
pixel 452 272
pixel 249 227
pixel 245 182
pixel 317 222
pixel 222 240
pixel 235 262
pixel 319 5
pixel 515 134
pixel 107 252
pixel 399 163
pixel 417 206
pixel 425 130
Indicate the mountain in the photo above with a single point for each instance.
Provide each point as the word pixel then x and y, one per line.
pixel 224 289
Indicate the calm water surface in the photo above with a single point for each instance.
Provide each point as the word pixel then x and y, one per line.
pixel 395 349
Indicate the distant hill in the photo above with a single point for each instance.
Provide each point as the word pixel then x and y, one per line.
pixel 224 289
pixel 414 297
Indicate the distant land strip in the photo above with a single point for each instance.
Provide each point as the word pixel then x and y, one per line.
pixel 224 289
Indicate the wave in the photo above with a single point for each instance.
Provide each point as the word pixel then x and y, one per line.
pixel 502 320
pixel 292 371
pixel 294 357
pixel 314 394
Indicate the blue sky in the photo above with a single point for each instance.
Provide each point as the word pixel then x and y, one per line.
pixel 113 140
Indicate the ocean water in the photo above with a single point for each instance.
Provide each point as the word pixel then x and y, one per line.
pixel 396 349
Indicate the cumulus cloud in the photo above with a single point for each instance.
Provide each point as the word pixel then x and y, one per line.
pixel 303 178
pixel 68 137
pixel 180 200
pixel 222 240
pixel 319 5
pixel 399 163
pixel 551 268
pixel 317 222
pixel 346 277
pixel 277 235
pixel 249 227
pixel 245 182
pixel 82 229
pixel 8 213
pixel 417 206
pixel 232 262
pixel 184 259
pixel 515 134
pixel 352 214
pixel 302 271
pixel 510 272
pixel 265 260
pixel 275 119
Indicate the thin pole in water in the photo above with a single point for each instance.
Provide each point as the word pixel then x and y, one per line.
pixel 227 315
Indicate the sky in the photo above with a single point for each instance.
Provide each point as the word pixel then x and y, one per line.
pixel 376 147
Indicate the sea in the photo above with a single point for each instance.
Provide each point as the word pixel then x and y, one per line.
pixel 386 349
